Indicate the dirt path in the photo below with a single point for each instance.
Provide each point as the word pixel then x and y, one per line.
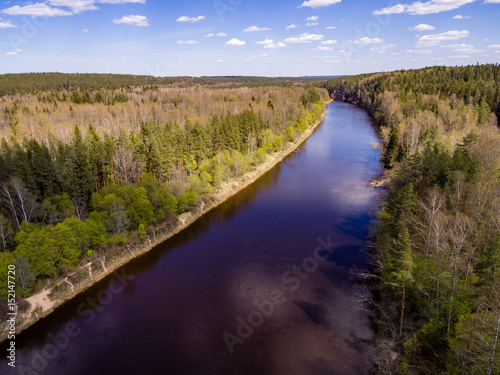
pixel 41 301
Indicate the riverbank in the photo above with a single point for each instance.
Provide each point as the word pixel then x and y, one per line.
pixel 41 304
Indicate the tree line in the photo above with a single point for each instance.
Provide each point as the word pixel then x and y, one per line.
pixel 65 202
pixel 29 83
pixel 436 283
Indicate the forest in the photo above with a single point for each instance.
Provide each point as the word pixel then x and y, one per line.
pixel 31 83
pixel 88 171
pixel 435 278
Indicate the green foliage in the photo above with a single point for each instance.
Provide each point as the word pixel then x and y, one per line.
pixel 478 83
pixel 48 249
pixel 6 259
pixel 159 196
pixel 391 149
pixel 95 229
pixel 311 97
pixel 25 278
pixel 57 208
pixel 188 201
pixel 400 265
pixel 140 210
pixel 124 206
pixel 141 231
pixel 6 233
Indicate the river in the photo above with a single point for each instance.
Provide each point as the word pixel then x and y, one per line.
pixel 259 285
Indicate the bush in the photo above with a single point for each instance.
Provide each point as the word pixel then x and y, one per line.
pixel 188 201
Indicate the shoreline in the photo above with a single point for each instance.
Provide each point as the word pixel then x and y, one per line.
pixel 40 303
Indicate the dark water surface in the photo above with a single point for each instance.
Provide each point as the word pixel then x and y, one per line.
pixel 256 276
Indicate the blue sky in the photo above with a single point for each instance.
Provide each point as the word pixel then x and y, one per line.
pixel 243 37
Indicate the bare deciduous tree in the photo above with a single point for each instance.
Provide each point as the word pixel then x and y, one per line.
pixel 24 275
pixel 80 208
pixel 19 201
pixel 126 167
pixel 5 232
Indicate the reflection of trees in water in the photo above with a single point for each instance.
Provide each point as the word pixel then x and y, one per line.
pixel 244 198
pixel 222 213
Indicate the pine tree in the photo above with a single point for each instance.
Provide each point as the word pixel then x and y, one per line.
pixel 400 270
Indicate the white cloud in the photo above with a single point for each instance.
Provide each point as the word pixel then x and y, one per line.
pixel 460 17
pixel 463 48
pixel 491 2
pixel 256 28
pixel 235 43
pixel 76 6
pixel 323 48
pixel 13 53
pixel 331 41
pixel 255 57
pixel 366 40
pixel 422 51
pixel 343 52
pixel 6 25
pixel 277 45
pixel 312 23
pixel 122 1
pixel 36 10
pixel 331 27
pixel 319 3
pixel 428 7
pixel 190 19
pixel 85 30
pixel 422 27
pixel 187 42
pixel 292 26
pixel 220 61
pixel 395 9
pixel 133 20
pixel 212 34
pixel 312 18
pixel 383 48
pixel 460 57
pixel 266 41
pixel 305 38
pixel 494 46
pixel 436 39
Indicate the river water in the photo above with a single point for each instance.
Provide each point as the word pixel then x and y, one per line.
pixel 259 285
